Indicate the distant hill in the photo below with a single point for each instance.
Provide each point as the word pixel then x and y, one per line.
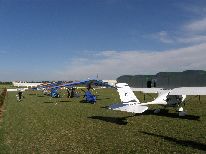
pixel 188 78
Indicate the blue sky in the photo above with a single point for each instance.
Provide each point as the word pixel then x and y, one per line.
pixel 77 39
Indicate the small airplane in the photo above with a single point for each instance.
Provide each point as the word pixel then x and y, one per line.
pixel 167 98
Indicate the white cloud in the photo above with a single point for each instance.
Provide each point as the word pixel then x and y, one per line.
pixel 189 33
pixel 196 26
pixel 192 39
pixel 163 37
pixel 113 64
pixel 193 32
pixel 196 8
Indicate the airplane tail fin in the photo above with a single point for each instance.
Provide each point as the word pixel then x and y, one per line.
pixel 126 94
pixel 130 103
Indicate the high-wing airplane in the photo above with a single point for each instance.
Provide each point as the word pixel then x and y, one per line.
pixel 167 98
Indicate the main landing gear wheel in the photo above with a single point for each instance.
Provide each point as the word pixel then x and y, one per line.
pixel 182 114
pixel 157 111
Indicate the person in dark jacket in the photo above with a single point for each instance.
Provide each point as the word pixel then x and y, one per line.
pixel 68 93
pixel 20 95
pixel 72 92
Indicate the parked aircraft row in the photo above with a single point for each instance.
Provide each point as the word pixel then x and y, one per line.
pixel 129 102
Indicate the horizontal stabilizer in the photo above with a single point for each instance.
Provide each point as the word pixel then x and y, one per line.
pixel 189 91
pixel 129 107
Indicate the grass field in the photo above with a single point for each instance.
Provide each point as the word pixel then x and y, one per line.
pixel 6 86
pixel 40 124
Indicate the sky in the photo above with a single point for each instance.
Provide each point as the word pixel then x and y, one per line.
pixel 78 39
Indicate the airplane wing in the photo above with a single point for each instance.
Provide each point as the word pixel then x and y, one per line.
pixel 175 91
pixel 188 91
pixel 147 90
pixel 75 83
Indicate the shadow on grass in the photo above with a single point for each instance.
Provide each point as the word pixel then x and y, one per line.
pixel 165 113
pixel 83 101
pixel 40 96
pixel 105 107
pixel 48 102
pixel 64 101
pixel 187 143
pixel 115 120
pixel 102 98
pixel 107 98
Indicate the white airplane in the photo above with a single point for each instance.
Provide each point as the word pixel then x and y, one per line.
pixel 167 98
pixel 25 84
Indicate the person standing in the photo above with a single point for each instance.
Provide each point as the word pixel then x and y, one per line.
pixel 68 93
pixel 20 95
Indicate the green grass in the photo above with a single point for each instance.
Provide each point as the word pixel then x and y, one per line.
pixel 40 124
pixel 6 86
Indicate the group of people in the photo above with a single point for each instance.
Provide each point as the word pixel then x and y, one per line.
pixel 71 92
